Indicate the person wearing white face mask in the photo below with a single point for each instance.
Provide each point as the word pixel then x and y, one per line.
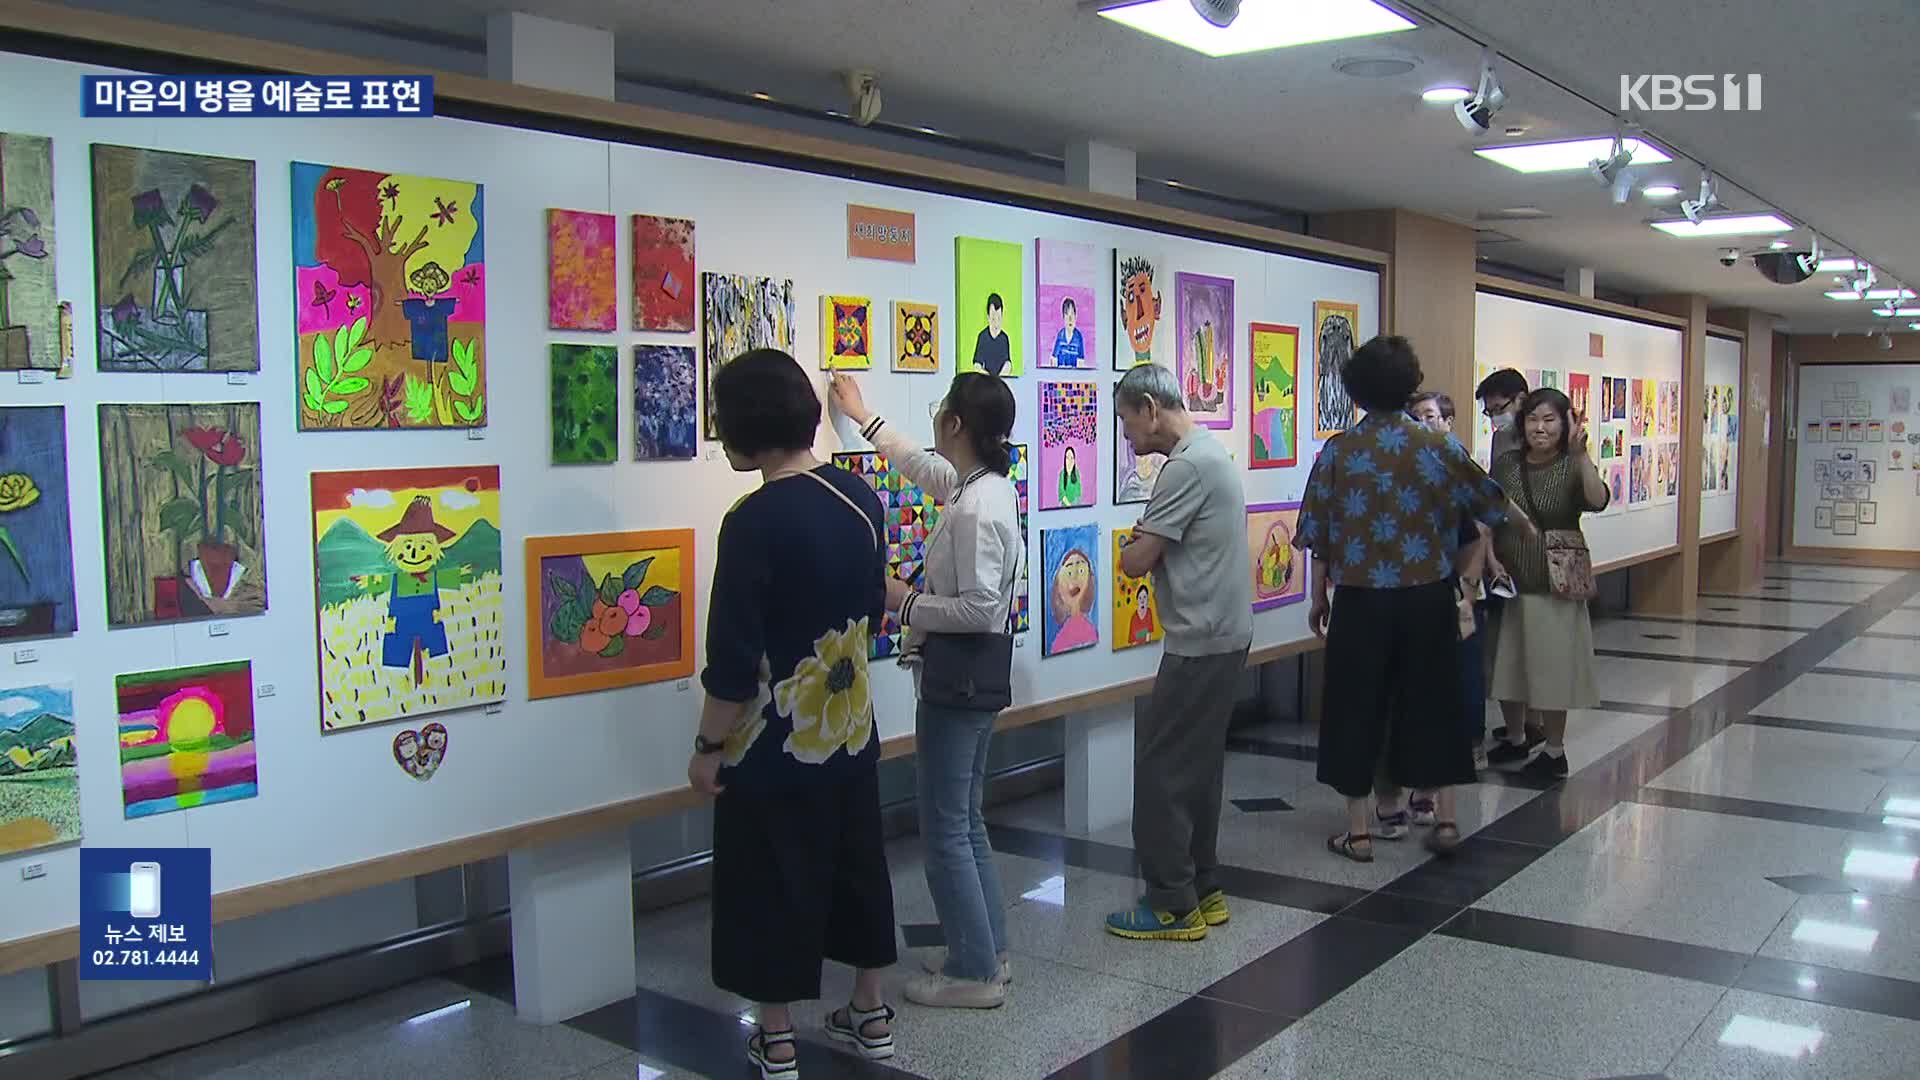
pixel 1500 395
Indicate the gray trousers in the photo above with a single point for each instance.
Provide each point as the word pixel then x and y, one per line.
pixel 1179 775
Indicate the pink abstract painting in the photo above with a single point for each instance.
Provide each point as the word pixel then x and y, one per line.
pixel 580 276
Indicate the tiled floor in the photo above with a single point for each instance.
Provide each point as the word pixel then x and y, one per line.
pixel 1727 887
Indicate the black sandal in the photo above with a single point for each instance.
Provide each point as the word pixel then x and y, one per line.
pixel 853 1030
pixel 1443 844
pixel 1343 845
pixel 762 1041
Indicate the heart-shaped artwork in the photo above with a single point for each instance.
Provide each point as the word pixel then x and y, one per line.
pixel 421 752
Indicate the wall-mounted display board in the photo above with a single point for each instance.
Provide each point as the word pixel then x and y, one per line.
pixel 392 529
pixel 1552 346
pixel 1854 484
pixel 1720 453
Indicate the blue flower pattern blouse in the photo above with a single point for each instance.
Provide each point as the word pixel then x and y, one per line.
pixel 1385 500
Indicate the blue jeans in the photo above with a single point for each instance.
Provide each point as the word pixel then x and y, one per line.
pixel 951 753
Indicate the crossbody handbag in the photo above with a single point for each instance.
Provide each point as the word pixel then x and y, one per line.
pixel 1569 563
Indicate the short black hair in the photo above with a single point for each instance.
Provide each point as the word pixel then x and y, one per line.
pixel 984 405
pixel 994 302
pixel 1556 400
pixel 1382 374
pixel 763 401
pixel 1068 305
pixel 1442 400
pixel 1506 383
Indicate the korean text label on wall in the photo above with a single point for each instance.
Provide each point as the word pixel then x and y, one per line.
pixel 146 913
pixel 256 95
pixel 873 233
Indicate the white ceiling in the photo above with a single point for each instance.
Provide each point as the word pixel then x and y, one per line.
pixel 1838 144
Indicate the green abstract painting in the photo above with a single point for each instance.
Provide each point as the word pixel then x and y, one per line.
pixel 584 403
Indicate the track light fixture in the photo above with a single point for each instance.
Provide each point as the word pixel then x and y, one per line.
pixel 1477 112
pixel 1615 171
pixel 1708 199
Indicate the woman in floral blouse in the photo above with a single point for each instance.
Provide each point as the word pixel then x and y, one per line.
pixel 787 741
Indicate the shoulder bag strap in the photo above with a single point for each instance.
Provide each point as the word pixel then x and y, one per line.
pixel 851 505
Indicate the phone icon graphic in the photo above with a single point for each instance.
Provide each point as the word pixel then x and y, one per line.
pixel 144 896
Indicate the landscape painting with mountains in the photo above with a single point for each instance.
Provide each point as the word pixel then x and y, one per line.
pixel 39 780
pixel 407 585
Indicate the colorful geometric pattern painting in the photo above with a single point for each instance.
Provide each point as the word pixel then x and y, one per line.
pixel 909 514
pixel 1140 335
pixel 36 543
pixel 608 610
pixel 1066 319
pixel 1274 354
pixel 742 314
pixel 662 273
pixel 407 586
pixel 1336 334
pixel 39 777
pixel 583 401
pixel 390 299
pixel 181 502
pixel 846 333
pixel 580 274
pixel 186 737
pixel 989 306
pixel 173 261
pixel 1069 444
pixel 1136 618
pixel 1203 324
pixel 1070 557
pixel 916 337
pixel 665 423
pixel 29 308
pixel 1279 569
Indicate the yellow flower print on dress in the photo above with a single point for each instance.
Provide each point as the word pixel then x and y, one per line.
pixel 828 698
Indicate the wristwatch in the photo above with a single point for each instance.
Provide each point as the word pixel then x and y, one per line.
pixel 702 745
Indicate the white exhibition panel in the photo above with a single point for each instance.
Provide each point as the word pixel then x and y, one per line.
pixel 1860 490
pixel 1517 333
pixel 1719 509
pixel 340 799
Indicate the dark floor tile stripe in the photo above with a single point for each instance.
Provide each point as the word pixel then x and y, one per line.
pixel 1883 636
pixel 1273 748
pixel 1855 990
pixel 1723 624
pixel 1777 599
pixel 1860 673
pixel 1673 658
pixel 1830 728
pixel 1661 711
pixel 1824 580
pixel 1194 1040
pixel 1651 955
pixel 1755 808
pixel 1312 968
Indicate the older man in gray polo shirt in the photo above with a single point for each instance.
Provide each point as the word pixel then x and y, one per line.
pixel 1193 539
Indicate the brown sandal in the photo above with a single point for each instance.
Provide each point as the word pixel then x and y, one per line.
pixel 1443 844
pixel 1344 845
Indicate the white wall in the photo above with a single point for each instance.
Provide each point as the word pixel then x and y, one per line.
pixel 1833 495
pixel 1718 508
pixel 331 801
pixel 1516 333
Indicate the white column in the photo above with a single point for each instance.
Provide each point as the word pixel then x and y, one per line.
pixel 552 55
pixel 1100 768
pixel 572 926
pixel 1102 167
pixel 1579 281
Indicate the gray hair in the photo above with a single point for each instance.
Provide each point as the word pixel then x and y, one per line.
pixel 1145 381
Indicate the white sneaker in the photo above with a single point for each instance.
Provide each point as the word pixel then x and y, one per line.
pixel 935 963
pixel 942 992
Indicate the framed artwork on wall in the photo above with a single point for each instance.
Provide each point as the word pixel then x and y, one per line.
pixel 1136 616
pixel 1336 334
pixel 1069 444
pixel 1273 353
pixel 606 610
pixel 1070 558
pixel 1066 320
pixel 1140 329
pixel 1203 325
pixel 916 337
pixel 1279 569
pixel 846 333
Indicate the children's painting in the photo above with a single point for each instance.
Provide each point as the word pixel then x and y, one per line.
pixel 420 753
pixel 29 306
pixel 1066 318
pixel 1069 444
pixel 1203 326
pixel 608 609
pixel 390 299
pixel 1274 355
pixel 1649 406
pixel 1639 474
pixel 1279 570
pixel 1020 621
pixel 1140 333
pixel 1136 618
pixel 580 271
pixel 1617 486
pixel 846 333
pixel 1637 412
pixel 1072 584
pixel 36 542
pixel 1133 474
pixel 180 495
pixel 663 280
pixel 1619 411
pixel 989 306
pixel 1667 469
pixel 742 314
pixel 1579 393
pixel 583 401
pixel 186 737
pixel 407 584
pixel 908 514
pixel 916 337
pixel 173 261
pixel 1336 334
pixel 39 775
pixel 665 426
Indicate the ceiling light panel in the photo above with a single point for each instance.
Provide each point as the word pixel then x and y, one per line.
pixel 1262 25
pixel 1734 225
pixel 1568 155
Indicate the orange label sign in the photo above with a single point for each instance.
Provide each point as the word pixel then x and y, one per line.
pixel 873 233
pixel 1596 345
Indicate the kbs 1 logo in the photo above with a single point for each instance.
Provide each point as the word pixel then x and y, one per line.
pixel 1690 93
